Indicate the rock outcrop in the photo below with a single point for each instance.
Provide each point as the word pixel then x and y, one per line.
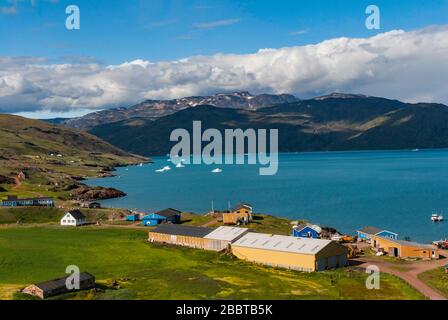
pixel 86 193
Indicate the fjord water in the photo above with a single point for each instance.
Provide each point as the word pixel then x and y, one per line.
pixel 395 190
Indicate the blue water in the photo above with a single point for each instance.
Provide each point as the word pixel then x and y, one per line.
pixel 396 190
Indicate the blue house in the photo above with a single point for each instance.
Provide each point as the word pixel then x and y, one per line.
pixel 13 201
pixel 165 216
pixel 368 232
pixel 152 219
pixel 133 217
pixel 307 230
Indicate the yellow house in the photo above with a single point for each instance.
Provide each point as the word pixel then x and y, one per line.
pixel 303 254
pixel 404 249
pixel 241 213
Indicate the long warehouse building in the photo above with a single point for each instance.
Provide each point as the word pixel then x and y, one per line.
pixel 302 254
pixel 197 237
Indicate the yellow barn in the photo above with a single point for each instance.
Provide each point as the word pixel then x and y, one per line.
pixel 241 213
pixel 404 249
pixel 303 254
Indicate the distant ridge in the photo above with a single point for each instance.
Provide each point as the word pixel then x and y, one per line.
pixel 333 122
pixel 152 109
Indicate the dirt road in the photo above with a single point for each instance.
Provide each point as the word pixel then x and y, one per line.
pixel 408 272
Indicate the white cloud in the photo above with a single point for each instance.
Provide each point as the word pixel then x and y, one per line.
pixel 216 24
pixel 299 32
pixel 13 5
pixel 409 66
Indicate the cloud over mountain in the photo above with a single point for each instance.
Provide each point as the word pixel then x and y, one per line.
pixel 410 66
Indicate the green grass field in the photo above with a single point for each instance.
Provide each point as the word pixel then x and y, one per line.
pixel 436 279
pixel 29 215
pixel 144 271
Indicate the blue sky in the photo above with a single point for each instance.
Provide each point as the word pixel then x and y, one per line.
pixel 131 50
pixel 114 31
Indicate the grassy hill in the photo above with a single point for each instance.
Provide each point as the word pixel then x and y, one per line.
pixel 51 156
pixel 335 122
pixel 148 271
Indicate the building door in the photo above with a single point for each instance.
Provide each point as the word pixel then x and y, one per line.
pixel 332 262
pixel 395 252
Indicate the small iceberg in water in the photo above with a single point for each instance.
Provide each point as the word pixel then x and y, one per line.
pixel 167 168
pixel 217 170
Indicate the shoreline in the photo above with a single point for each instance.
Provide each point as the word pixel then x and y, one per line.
pixel 352 199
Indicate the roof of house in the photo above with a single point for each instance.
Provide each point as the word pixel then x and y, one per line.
pixel 226 233
pixel 179 230
pixel 410 243
pixel 302 226
pixel 77 214
pixel 60 282
pixel 282 243
pixel 168 212
pixel 370 230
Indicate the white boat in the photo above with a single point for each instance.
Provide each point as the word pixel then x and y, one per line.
pixel 180 165
pixel 141 164
pixel 217 170
pixel 437 217
pixel 336 237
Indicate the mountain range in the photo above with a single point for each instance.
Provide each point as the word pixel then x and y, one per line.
pixel 328 123
pixel 153 109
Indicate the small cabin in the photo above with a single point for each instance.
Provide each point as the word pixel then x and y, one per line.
pixel 241 214
pixel 404 249
pixel 165 216
pixel 243 208
pixel 367 234
pixel 73 218
pixel 133 217
pixel 91 205
pixel 58 286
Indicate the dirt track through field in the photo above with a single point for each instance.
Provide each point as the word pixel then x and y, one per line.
pixel 408 272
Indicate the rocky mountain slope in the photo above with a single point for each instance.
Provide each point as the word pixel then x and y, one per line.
pixel 333 122
pixel 53 157
pixel 152 109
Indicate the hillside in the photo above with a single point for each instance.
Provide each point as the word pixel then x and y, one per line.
pixel 51 156
pixel 153 109
pixel 328 123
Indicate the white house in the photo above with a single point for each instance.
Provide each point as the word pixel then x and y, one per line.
pixel 73 218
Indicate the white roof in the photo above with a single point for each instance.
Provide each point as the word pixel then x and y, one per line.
pixel 282 243
pixel 226 233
